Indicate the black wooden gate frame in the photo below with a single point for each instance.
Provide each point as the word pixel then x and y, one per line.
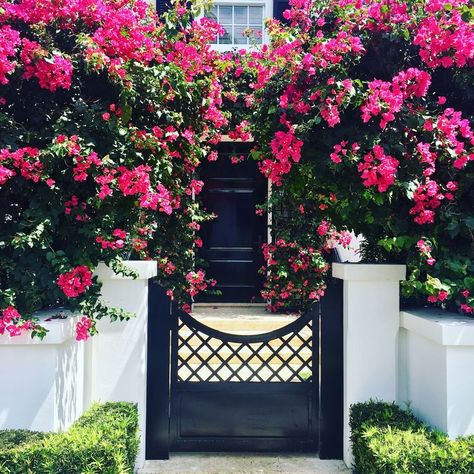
pixel 170 394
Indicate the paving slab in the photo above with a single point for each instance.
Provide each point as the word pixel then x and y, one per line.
pixel 244 463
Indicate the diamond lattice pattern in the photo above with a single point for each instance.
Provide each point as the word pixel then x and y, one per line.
pixel 204 358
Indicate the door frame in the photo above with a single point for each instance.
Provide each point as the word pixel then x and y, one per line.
pixel 269 237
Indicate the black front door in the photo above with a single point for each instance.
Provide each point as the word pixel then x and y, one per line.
pixel 232 241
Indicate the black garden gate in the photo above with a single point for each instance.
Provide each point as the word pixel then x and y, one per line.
pixel 279 391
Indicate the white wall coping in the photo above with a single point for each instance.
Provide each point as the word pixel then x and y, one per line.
pixel 442 327
pixel 368 272
pixel 59 330
pixel 145 268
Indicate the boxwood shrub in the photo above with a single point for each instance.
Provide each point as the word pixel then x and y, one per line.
pixel 389 440
pixel 104 440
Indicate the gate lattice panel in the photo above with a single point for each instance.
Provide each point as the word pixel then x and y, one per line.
pixel 207 355
pixel 243 392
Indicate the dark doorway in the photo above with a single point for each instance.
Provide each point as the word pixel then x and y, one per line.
pixel 232 241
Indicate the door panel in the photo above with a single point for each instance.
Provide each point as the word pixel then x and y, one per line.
pixel 232 241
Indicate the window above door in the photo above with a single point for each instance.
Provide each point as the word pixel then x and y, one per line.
pixel 242 21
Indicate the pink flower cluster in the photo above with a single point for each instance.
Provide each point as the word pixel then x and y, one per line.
pixel 425 250
pixel 468 305
pixel 241 132
pixel 134 181
pixel 341 150
pixel 83 328
pixel 12 322
pixel 25 160
pixel 166 266
pixel 74 206
pixel 116 242
pixel 457 134
pixel 76 281
pixel 427 197
pixel 441 295
pixel 444 37
pixel 387 98
pixel 52 72
pixel 83 163
pixel 293 258
pixel 137 181
pixel 286 148
pixel 195 187
pixel 197 282
pixel 328 51
pixel 122 37
pixel 9 41
pixel 378 169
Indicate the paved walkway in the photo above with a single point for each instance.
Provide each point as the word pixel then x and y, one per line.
pixel 243 463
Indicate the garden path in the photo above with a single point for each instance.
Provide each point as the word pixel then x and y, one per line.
pixel 244 463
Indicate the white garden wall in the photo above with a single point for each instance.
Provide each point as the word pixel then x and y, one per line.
pixel 117 357
pixel 42 382
pixel 47 385
pixel 436 373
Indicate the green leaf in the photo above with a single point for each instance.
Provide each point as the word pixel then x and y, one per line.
pixel 126 112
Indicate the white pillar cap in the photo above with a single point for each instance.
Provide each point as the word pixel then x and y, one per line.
pixel 59 330
pixel 442 327
pixel 145 269
pixel 368 272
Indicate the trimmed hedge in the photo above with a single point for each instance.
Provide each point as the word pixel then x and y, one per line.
pixel 389 440
pixel 104 440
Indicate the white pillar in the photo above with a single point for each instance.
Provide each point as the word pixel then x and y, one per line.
pixel 117 356
pixel 371 322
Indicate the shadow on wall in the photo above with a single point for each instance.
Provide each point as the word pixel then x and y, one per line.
pixel 69 384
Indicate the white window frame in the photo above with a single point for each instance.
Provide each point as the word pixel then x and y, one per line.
pixel 267 13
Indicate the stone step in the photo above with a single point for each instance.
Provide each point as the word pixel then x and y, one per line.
pixel 247 323
pixel 250 463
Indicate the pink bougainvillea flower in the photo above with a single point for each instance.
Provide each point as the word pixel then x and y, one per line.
pixel 76 281
pixel 82 328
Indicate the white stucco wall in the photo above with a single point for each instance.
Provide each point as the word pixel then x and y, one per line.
pixel 436 372
pixel 42 382
pixel 46 385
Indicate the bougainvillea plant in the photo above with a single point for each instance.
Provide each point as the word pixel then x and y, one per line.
pixel 361 111
pixel 105 113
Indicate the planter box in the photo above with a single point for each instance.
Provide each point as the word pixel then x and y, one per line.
pixel 42 381
pixel 436 369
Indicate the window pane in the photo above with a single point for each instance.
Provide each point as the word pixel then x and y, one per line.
pixel 256 15
pixel 225 15
pixel 239 37
pixel 257 32
pixel 226 38
pixel 240 16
